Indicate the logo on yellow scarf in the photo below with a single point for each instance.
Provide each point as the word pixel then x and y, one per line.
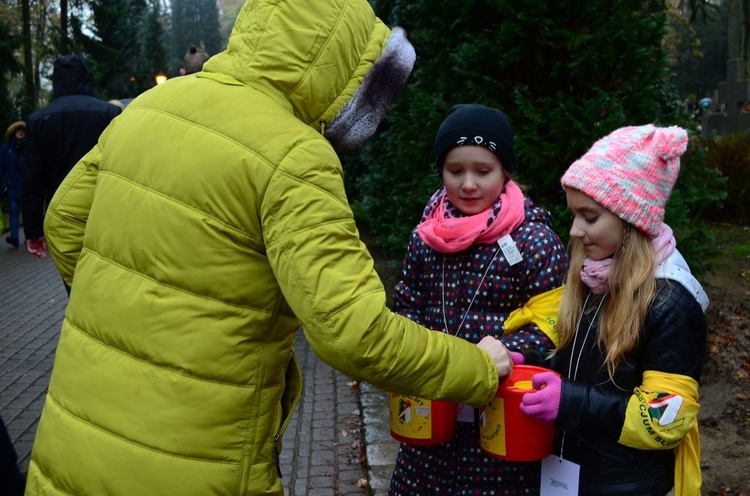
pixel 666 408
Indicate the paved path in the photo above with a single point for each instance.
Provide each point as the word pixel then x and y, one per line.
pixel 338 436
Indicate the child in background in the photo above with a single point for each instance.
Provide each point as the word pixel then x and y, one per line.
pixel 481 251
pixel 11 176
pixel 632 325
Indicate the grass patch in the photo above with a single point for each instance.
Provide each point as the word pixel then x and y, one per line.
pixel 740 250
pixel 732 243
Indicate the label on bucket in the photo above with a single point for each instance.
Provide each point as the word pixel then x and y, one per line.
pixel 410 416
pixel 492 427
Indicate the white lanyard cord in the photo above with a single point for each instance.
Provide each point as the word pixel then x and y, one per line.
pixel 585 338
pixel 580 353
pixel 479 287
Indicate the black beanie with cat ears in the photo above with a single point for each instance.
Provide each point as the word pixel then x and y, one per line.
pixel 477 125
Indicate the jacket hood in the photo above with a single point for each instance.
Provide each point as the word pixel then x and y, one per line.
pixel 71 77
pixel 676 269
pixel 312 56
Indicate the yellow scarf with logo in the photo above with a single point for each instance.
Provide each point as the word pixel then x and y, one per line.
pixel 663 414
pixel 540 310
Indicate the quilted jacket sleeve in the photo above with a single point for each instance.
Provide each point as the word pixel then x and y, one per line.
pixel 65 220
pixel 326 275
pixel 408 296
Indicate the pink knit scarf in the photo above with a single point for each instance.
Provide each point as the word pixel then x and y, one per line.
pixel 446 232
pixel 595 273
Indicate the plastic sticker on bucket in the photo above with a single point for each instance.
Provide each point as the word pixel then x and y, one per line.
pixel 504 431
pixel 492 428
pixel 419 421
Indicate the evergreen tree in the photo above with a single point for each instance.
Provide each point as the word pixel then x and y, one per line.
pixel 701 51
pixel 126 52
pixel 229 9
pixel 112 51
pixel 194 22
pixel 565 72
pixel 9 66
pixel 151 58
pixel 154 46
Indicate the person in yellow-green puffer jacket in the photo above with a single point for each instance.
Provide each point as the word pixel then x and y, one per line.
pixel 208 223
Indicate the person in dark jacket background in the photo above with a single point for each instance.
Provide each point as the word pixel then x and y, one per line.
pixel 57 137
pixel 11 170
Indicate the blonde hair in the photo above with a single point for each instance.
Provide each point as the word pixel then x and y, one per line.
pixel 632 288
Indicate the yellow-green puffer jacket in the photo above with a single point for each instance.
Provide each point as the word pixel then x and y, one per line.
pixel 210 222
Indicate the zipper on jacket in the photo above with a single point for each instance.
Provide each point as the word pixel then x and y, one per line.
pixel 282 430
pixel 293 406
pixel 276 458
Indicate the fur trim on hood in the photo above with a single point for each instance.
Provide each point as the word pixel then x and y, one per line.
pixel 360 117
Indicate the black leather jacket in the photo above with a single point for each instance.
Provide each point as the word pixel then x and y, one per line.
pixel 592 408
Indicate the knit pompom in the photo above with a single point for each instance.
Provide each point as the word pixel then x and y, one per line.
pixel 670 142
pixel 631 173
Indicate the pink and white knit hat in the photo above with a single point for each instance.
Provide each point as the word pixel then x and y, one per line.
pixel 631 172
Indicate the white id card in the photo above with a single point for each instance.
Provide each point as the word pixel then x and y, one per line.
pixel 559 477
pixel 509 249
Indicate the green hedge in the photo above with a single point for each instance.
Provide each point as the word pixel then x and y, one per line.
pixel 566 73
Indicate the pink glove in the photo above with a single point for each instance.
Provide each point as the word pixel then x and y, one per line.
pixel 544 402
pixel 37 246
pixel 517 357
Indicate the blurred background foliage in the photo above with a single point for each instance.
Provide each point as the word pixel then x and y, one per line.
pixel 565 72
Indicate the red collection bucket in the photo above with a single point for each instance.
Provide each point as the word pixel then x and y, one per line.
pixel 505 432
pixel 424 422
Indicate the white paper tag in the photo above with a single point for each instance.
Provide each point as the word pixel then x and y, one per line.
pixel 559 477
pixel 510 250
pixel 465 413
pixel 422 411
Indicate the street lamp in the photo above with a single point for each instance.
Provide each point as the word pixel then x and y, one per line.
pixel 160 78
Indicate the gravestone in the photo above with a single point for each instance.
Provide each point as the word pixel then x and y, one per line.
pixel 730 111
